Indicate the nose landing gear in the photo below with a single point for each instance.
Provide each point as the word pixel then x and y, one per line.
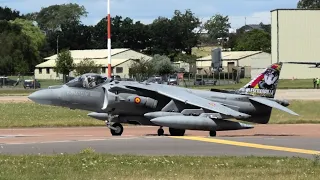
pixel 116 129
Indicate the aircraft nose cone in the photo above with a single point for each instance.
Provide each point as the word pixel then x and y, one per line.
pixel 45 96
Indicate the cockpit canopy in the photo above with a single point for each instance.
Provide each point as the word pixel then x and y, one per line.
pixel 88 81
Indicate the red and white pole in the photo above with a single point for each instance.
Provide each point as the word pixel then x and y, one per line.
pixel 109 40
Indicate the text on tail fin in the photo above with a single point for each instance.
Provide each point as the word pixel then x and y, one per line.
pixel 265 84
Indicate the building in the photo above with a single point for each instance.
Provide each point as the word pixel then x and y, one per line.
pixel 249 27
pixel 254 60
pixel 121 60
pixel 295 37
pixel 184 67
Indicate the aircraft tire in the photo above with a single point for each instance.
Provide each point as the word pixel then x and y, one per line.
pixel 160 132
pixel 213 133
pixel 177 132
pixel 119 130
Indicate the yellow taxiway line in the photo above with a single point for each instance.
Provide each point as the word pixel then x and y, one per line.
pixel 251 145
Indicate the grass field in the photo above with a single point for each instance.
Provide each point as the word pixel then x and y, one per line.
pixel 34 115
pixel 90 165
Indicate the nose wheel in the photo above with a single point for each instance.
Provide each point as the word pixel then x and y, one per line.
pixel 116 129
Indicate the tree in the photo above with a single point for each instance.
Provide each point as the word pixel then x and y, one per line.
pixel 254 40
pixel 17 54
pixel 53 17
pixel 8 14
pixel 162 65
pixel 64 63
pixel 218 26
pixel 87 66
pixel 185 36
pixel 141 69
pixel 172 36
pixel 191 59
pixel 266 27
pixel 124 34
pixel 73 37
pixel 308 4
pixel 162 36
pixel 32 31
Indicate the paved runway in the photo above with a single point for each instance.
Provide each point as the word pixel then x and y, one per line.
pixel 265 140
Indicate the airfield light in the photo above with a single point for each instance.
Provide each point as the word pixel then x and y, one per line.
pixel 109 40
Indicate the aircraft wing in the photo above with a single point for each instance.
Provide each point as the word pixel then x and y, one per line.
pixel 183 95
pixel 273 104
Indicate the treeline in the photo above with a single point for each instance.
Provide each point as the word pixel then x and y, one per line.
pixel 26 39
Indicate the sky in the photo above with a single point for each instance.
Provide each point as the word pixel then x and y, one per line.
pixel 239 11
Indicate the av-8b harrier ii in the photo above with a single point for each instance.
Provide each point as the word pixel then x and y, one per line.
pixel 178 108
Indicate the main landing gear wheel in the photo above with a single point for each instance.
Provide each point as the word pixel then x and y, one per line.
pixel 117 129
pixel 177 132
pixel 213 133
pixel 160 132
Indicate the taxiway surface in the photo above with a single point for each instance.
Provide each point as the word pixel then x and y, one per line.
pixel 264 140
pixel 267 140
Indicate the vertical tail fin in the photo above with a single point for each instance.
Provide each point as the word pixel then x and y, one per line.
pixel 265 84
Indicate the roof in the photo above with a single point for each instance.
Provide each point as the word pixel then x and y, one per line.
pixel 254 26
pixel 91 53
pixel 232 55
pixel 103 62
pixel 99 56
pixel 296 9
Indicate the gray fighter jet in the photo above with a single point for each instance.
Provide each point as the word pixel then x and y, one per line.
pixel 178 108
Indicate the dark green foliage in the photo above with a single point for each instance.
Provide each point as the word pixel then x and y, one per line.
pixel 87 66
pixel 64 63
pixel 173 37
pixel 16 54
pixel 254 40
pixel 308 4
pixel 8 14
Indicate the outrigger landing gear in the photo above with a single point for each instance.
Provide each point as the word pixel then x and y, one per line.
pixel 160 131
pixel 116 129
pixel 213 133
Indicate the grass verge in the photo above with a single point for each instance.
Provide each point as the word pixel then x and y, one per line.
pixel 90 165
pixel 283 84
pixel 16 92
pixel 35 115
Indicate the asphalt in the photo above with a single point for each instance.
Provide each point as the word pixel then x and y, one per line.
pixel 306 147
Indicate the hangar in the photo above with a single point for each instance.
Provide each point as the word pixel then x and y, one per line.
pixel 253 61
pixel 121 60
pixel 295 38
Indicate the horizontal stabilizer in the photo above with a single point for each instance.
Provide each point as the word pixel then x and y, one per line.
pixel 273 104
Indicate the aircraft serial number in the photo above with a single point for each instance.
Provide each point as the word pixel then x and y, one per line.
pixel 78 93
pixel 260 91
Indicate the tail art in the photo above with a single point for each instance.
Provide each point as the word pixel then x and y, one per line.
pixel 265 84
